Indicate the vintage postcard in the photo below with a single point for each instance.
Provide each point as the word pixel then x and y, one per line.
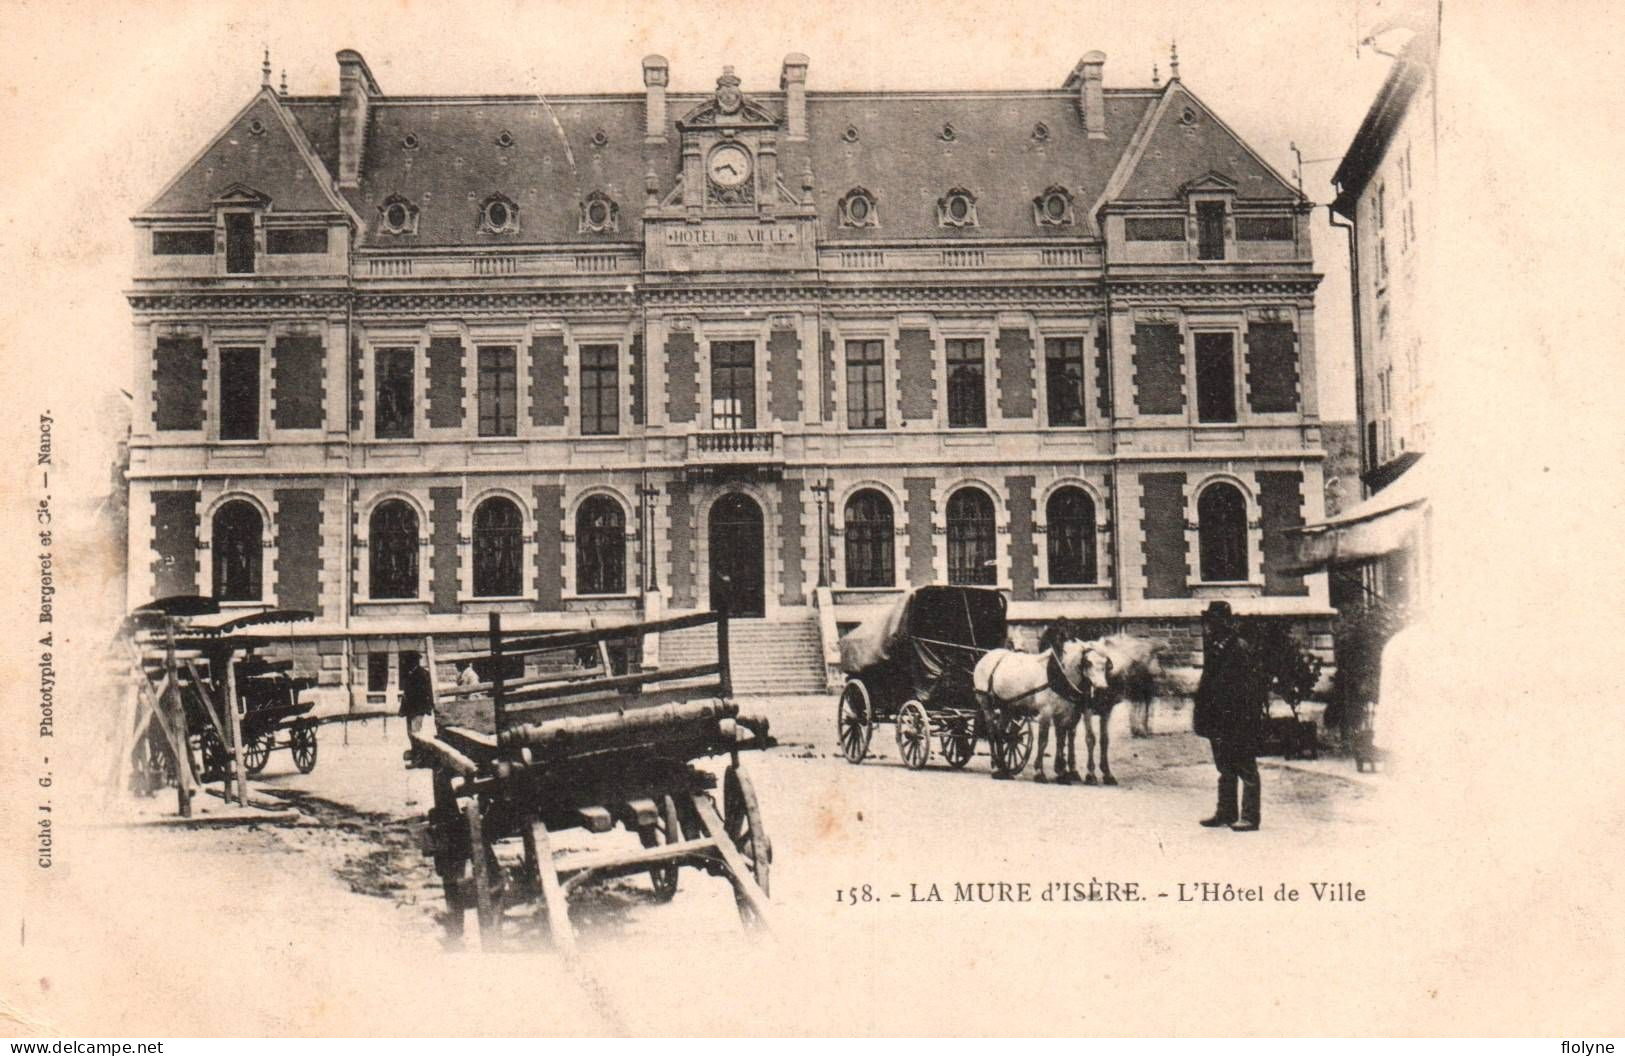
pixel 936 518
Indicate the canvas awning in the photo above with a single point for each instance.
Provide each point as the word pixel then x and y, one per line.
pixel 1386 523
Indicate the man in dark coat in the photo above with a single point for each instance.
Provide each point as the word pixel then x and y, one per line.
pixel 1230 714
pixel 417 700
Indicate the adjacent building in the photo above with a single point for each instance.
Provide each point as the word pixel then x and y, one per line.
pixel 404 361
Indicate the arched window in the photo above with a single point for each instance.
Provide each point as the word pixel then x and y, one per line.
pixel 971 538
pixel 499 550
pixel 1221 515
pixel 869 540
pixel 600 547
pixel 237 545
pixel 392 551
pixel 1070 515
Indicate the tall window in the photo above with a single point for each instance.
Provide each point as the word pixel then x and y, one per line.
pixel 967 392
pixel 971 538
pixel 733 385
pixel 239 243
pixel 239 394
pixel 499 393
pixel 1071 533
pixel 865 385
pixel 392 551
pixel 394 392
pixel 1063 379
pixel 600 390
pixel 499 550
pixel 1210 231
pixel 237 544
pixel 1215 377
pixel 870 541
pixel 1221 515
pixel 600 547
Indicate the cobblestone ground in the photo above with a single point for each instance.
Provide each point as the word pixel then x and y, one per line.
pixel 335 923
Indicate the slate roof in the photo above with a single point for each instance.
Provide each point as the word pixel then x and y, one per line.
pixel 900 155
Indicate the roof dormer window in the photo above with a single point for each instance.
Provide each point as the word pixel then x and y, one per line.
pixel 1053 208
pixel 957 208
pixel 399 215
pixel 599 214
pixel 857 209
pixel 499 215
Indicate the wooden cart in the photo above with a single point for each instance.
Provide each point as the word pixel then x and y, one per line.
pixel 527 752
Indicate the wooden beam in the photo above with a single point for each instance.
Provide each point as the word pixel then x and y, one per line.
pixel 566 639
pixel 234 744
pixel 618 682
pixel 580 867
pixel 596 819
pixel 444 754
pixel 585 728
pixel 739 871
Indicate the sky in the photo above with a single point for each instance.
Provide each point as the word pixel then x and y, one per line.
pixel 108 101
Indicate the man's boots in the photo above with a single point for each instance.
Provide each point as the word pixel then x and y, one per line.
pixel 1225 813
pixel 1252 794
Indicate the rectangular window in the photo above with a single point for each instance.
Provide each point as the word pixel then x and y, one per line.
pixel 1215 378
pixel 1155 228
pixel 1379 206
pixel 1210 231
pixel 733 385
pixel 600 390
pixel 239 243
pixel 967 389
pixel 377 672
pixel 499 393
pixel 1371 444
pixel 239 394
pixel 1264 228
pixel 395 393
pixel 182 243
pixel 1063 379
pixel 296 240
pixel 865 385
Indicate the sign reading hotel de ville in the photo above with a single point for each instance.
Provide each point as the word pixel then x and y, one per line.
pixel 730 245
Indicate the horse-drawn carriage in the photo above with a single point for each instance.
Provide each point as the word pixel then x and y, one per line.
pixel 911 666
pixel 544 744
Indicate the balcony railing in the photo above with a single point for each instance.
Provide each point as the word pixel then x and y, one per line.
pixel 728 446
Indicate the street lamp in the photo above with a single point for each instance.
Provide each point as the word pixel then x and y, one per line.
pixel 822 489
pixel 649 496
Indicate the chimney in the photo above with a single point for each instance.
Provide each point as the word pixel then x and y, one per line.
pixel 1091 95
pixel 793 83
pixel 356 91
pixel 656 71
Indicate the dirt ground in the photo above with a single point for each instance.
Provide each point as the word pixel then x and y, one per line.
pixel 883 879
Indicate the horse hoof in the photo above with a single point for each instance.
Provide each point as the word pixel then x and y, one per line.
pixel 1090 780
pixel 1000 776
pixel 1040 778
pixel 1065 779
pixel 1108 780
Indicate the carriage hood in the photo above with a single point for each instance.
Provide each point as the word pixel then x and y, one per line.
pixel 961 615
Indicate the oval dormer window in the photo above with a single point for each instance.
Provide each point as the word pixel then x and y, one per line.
pixel 1055 207
pixel 496 214
pixel 958 208
pixel 395 216
pixel 598 213
pixel 859 209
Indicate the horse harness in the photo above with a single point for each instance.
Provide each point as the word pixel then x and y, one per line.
pixel 1056 681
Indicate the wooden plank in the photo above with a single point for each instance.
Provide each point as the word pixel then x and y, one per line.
pixel 566 639
pixel 582 866
pixel 739 873
pixel 444 754
pixel 596 819
pixel 585 728
pixel 498 700
pixel 550 678
pixel 617 683
pixel 553 898
pixel 234 744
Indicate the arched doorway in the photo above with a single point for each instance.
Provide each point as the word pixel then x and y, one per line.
pixel 735 538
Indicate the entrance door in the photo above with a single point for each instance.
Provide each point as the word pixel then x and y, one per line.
pixel 736 556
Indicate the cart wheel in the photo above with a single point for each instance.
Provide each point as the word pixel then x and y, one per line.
pixel 258 752
pixel 214 754
pixel 958 743
pixel 855 721
pixel 1011 744
pixel 914 735
pixel 302 739
pixel 664 876
pixel 742 820
pixel 486 896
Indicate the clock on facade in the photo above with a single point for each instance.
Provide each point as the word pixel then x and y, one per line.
pixel 729 165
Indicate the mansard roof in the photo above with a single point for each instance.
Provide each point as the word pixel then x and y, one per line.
pixel 548 154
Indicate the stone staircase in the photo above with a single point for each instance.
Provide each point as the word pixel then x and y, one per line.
pixel 767 657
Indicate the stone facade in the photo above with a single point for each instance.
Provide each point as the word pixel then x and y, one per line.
pixel 464 356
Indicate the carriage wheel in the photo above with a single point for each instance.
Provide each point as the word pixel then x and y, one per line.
pixel 855 721
pixel 958 743
pixel 742 821
pixel 914 735
pixel 664 876
pixel 257 752
pixel 214 754
pixel 1011 744
pixel 302 740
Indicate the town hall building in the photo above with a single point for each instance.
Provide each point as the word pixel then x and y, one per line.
pixel 403 361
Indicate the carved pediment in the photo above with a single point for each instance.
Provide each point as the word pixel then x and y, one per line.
pixel 242 194
pixel 728 107
pixel 1209 181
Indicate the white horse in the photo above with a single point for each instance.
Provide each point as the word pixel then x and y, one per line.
pixel 1133 672
pixel 1053 685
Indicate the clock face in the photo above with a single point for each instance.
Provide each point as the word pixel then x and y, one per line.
pixel 729 165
